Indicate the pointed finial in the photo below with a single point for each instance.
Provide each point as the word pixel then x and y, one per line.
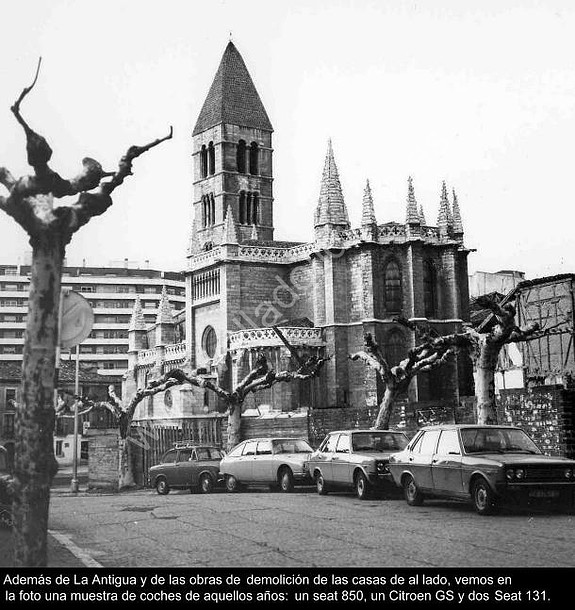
pixel 165 315
pixel 230 36
pixel 137 321
pixel 412 215
pixel 230 234
pixel 444 212
pixel 193 243
pixel 368 212
pixel 331 207
pixel 457 222
pixel 422 216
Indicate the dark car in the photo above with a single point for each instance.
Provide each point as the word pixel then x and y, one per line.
pixel 277 462
pixel 489 465
pixel 355 459
pixel 5 500
pixel 187 466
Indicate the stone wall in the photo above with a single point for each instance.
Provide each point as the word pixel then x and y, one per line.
pixel 546 413
pixel 103 459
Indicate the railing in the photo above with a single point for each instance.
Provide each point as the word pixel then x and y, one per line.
pixel 267 337
pixel 147 356
pixel 177 351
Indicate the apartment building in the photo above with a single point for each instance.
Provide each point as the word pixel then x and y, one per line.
pixel 111 291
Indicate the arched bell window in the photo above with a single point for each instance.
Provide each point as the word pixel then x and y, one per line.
pixel 211 159
pixel 241 157
pixel 204 161
pixel 254 161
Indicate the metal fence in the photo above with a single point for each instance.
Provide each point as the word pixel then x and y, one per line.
pixel 149 443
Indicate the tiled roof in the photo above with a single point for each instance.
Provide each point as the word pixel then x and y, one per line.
pixel 232 98
pixel 12 372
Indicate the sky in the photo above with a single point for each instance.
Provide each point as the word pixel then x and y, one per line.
pixel 479 94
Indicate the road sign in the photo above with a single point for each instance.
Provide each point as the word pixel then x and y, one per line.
pixel 77 319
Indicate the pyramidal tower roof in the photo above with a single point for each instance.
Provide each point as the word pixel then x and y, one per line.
pixel 233 97
pixel 331 206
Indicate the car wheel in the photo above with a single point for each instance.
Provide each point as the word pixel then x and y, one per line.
pixel 320 484
pixel 232 484
pixel 484 500
pixel 162 487
pixel 362 487
pixel 206 484
pixel 413 495
pixel 286 480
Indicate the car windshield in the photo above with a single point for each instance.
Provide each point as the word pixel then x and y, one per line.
pixel 497 440
pixel 378 442
pixel 209 453
pixel 291 446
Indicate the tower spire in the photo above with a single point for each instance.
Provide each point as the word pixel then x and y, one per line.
pixel 367 212
pixel 422 216
pixel 165 315
pixel 443 217
pixel 412 215
pixel 137 321
pixel 457 222
pixel 331 209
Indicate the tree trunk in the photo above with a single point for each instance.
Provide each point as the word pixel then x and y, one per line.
pixel 35 464
pixel 234 422
pixel 125 466
pixel 385 408
pixel 485 384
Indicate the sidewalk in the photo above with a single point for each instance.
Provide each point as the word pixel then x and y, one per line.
pixel 59 554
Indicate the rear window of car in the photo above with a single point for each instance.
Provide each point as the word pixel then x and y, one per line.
pixel 209 453
pixel 292 446
pixel 378 441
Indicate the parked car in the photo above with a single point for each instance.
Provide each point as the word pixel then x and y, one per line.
pixel 187 466
pixel 355 458
pixel 488 465
pixel 278 462
pixel 5 500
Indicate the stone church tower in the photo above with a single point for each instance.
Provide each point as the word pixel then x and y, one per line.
pixel 324 295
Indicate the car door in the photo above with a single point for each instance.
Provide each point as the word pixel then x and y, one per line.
pixel 340 466
pixel 421 456
pixel 324 456
pixel 446 473
pixel 182 470
pixel 262 465
pixel 243 469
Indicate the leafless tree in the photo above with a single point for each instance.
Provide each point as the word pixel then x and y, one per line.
pixel 430 354
pixel 30 202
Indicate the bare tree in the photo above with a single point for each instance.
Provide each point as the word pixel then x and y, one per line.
pixel 484 345
pixel 30 202
pixel 430 354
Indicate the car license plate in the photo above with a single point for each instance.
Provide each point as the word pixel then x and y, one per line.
pixel 543 493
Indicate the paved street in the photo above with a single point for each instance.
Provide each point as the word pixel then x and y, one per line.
pixel 262 528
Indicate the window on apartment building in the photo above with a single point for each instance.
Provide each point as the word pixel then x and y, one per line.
pixel 8 427
pixel 10 398
pixel 59 449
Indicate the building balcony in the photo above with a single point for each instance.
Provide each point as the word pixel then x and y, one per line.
pixel 267 337
pixel 175 352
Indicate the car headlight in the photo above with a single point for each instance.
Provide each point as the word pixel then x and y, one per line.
pixel 510 474
pixel 382 467
pixel 520 473
pixel 568 473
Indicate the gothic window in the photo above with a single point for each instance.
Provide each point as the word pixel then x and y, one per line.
pixel 211 159
pixel 394 347
pixel 209 341
pixel 248 208
pixel 429 290
pixel 208 210
pixel 254 158
pixel 212 208
pixel 241 157
pixel 243 216
pixel 392 287
pixel 255 208
pixel 204 161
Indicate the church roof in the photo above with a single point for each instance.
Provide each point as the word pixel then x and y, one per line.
pixel 233 97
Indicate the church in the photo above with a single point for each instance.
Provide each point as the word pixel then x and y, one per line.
pixel 324 295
